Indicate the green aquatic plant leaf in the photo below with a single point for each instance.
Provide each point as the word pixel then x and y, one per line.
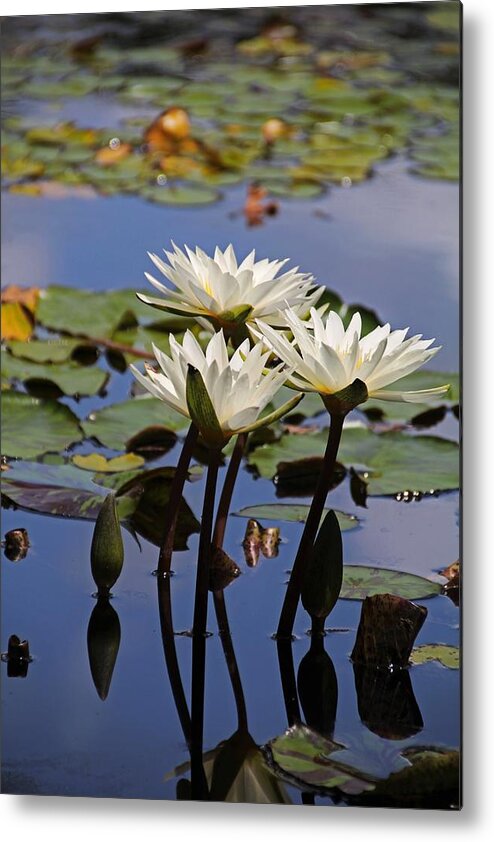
pixel 67 491
pixel 414 382
pixel 114 425
pixel 361 581
pixel 292 512
pixel 448 656
pixel 32 426
pixel 71 379
pixel 307 757
pixel 59 490
pixel 57 350
pixel 390 462
pixel 185 194
pixel 80 312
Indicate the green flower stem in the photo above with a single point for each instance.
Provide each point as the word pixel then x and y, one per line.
pixel 199 626
pixel 227 491
pixel 290 604
pixel 172 509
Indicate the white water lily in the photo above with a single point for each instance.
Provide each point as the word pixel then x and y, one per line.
pixel 229 294
pixel 238 388
pixel 326 358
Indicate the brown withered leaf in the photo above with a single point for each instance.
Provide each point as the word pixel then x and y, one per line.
pixel 452 571
pixel 108 155
pixel 27 296
pixel 256 208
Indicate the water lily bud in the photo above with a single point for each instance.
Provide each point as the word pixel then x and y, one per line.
pixel 273 129
pixel 107 552
pixel 175 122
pixel 201 409
pixel 324 570
pixel 103 642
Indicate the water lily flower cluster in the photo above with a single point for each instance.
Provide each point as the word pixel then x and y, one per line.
pixel 223 396
pixel 328 359
pixel 229 294
pixel 277 336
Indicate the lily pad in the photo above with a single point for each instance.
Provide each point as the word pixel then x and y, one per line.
pixel 114 425
pixel 57 350
pixel 70 378
pixel 448 656
pixel 60 490
pixel 293 512
pixel 390 462
pixel 68 491
pixel 97 463
pixel 183 195
pixel 360 582
pixel 305 755
pixel 32 426
pixel 414 382
pixel 83 313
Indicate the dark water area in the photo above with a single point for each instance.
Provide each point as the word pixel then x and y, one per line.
pixel 390 243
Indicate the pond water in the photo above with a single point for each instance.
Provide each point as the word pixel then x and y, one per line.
pixel 389 243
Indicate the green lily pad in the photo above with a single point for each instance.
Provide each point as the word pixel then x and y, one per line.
pixel 293 512
pixel 305 755
pixel 390 462
pixel 414 382
pixel 70 378
pixel 60 490
pixel 114 425
pixel 69 492
pixel 448 656
pixel 360 582
pixel 184 195
pixel 93 314
pixel 57 350
pixel 32 426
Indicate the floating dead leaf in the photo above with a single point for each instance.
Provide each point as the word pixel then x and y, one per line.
pixel 270 539
pixel 452 586
pixel 259 539
pixel 256 208
pixel 452 571
pixel 170 126
pixel 16 544
pixel 27 296
pixel 109 155
pixel 17 322
pixel 252 542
